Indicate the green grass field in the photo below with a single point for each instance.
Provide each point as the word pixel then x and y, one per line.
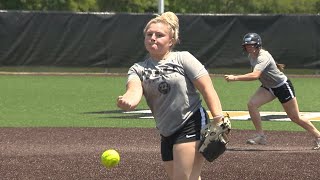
pixel 89 101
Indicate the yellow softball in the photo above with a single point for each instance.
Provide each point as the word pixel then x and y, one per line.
pixel 110 158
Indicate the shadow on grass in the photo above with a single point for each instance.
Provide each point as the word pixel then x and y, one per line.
pixel 122 114
pixel 104 112
pixel 271 117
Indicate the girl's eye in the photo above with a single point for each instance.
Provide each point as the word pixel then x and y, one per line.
pixel 160 35
pixel 157 35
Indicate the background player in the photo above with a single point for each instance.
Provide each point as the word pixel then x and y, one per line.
pixel 275 84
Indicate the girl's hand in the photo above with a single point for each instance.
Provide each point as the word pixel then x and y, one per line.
pixel 230 78
pixel 124 103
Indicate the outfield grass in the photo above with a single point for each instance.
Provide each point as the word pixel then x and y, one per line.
pixel 242 70
pixel 87 101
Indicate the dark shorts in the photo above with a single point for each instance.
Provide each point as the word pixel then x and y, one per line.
pixel 188 133
pixel 284 92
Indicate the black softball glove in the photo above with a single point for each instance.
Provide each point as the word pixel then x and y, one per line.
pixel 214 138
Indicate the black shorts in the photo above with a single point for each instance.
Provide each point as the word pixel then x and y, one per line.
pixel 188 133
pixel 284 92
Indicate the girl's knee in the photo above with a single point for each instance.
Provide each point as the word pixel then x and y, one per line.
pixel 296 119
pixel 251 105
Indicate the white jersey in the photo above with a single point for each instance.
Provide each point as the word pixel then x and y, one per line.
pixel 168 88
pixel 271 76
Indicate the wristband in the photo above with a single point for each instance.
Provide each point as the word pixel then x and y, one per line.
pixel 218 117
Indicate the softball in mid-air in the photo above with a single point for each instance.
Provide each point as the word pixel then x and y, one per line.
pixel 110 158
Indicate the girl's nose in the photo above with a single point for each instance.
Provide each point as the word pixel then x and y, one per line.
pixel 153 37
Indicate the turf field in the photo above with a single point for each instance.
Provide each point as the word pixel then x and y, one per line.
pixel 90 101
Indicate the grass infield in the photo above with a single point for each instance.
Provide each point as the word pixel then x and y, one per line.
pixel 90 101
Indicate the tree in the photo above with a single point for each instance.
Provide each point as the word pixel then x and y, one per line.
pixel 177 6
pixel 46 5
pixel 136 6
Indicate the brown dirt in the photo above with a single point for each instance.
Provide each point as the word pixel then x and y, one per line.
pixel 74 153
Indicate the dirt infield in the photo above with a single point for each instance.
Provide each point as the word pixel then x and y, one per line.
pixel 74 153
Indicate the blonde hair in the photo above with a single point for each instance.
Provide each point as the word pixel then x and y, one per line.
pixel 170 19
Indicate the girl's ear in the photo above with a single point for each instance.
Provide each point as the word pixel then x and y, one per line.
pixel 172 41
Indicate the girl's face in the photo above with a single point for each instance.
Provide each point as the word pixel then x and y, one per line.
pixel 251 49
pixel 158 40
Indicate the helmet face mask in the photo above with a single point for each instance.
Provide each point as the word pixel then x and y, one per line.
pixel 252 39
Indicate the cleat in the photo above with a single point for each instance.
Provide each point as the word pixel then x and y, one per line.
pixel 258 139
pixel 317 144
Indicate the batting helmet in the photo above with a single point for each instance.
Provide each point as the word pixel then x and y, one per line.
pixel 252 38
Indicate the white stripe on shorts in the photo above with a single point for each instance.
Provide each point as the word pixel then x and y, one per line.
pixel 290 90
pixel 203 117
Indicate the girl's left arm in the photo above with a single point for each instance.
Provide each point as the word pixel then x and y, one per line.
pixel 210 96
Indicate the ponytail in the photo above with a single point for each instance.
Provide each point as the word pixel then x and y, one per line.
pixel 280 66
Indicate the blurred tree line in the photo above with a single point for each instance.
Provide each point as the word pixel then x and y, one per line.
pixel 177 6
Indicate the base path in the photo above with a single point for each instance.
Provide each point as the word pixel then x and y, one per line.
pixel 239 115
pixel 74 153
pixel 272 116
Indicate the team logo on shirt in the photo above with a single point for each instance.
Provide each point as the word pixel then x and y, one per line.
pixel 164 87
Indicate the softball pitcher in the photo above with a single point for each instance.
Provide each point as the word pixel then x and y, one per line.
pixel 169 81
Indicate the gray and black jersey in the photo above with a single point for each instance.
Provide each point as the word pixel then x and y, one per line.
pixel 168 88
pixel 271 76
